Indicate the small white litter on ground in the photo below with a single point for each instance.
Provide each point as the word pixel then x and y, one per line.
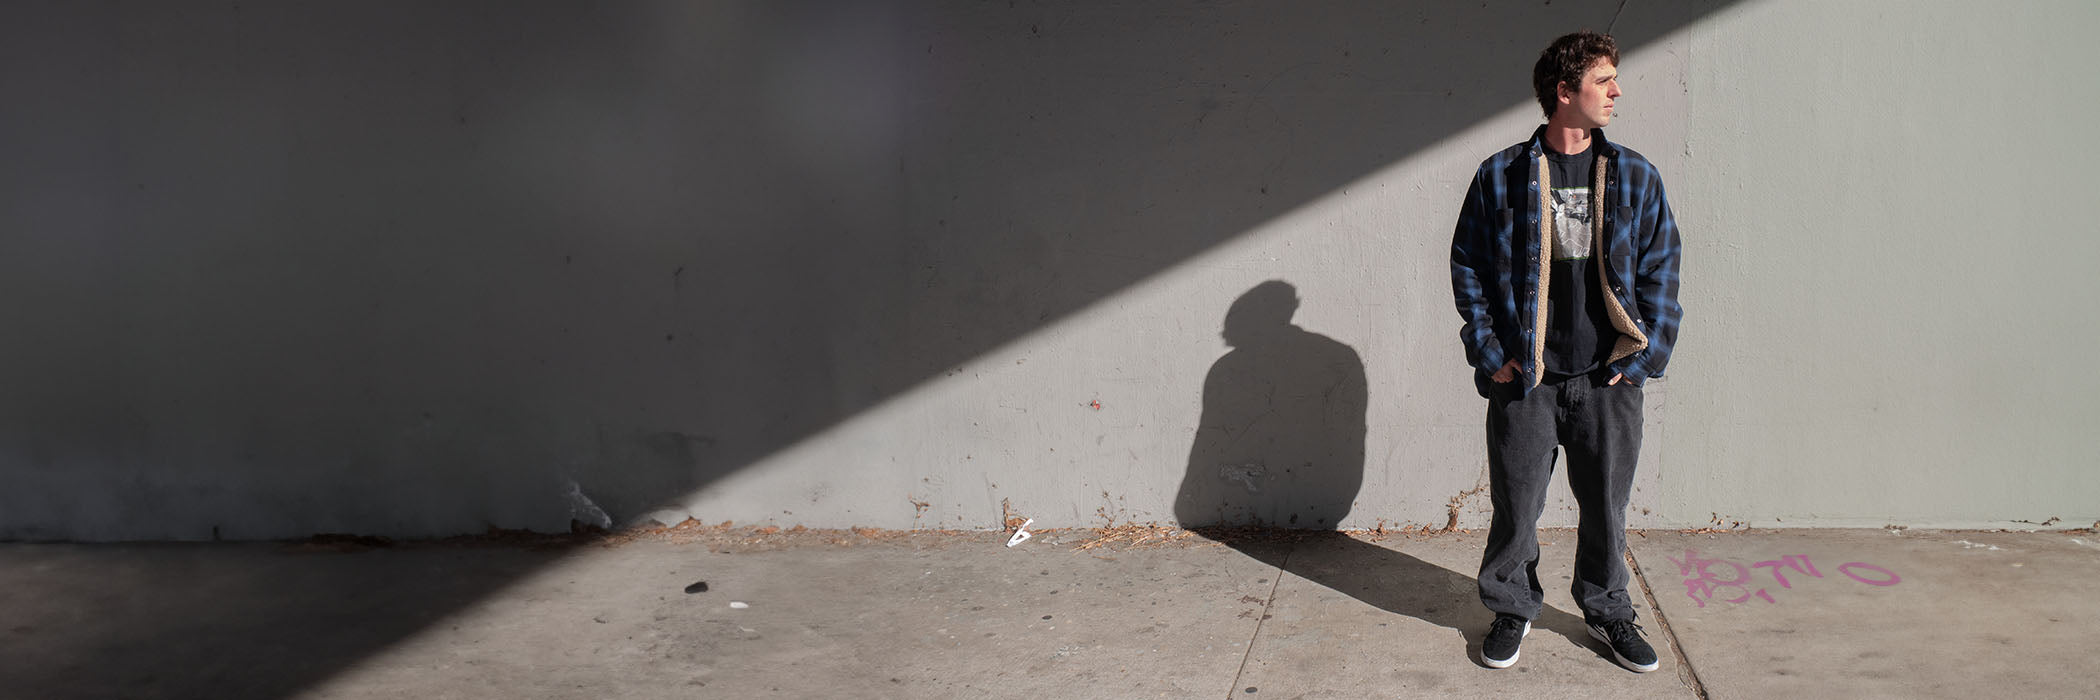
pixel 1021 534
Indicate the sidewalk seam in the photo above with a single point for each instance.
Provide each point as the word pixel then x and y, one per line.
pixel 1685 673
pixel 1275 582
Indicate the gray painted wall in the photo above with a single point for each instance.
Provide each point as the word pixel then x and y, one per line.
pixel 417 269
pixel 1895 264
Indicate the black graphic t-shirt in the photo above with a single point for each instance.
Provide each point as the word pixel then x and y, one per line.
pixel 1578 333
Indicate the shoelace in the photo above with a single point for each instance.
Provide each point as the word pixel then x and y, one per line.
pixel 1621 629
pixel 1509 624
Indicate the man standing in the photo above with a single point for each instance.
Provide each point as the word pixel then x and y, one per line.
pixel 1564 266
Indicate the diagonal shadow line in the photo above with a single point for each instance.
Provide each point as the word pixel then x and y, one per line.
pixel 1021 176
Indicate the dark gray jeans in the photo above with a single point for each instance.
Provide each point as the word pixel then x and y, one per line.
pixel 1600 426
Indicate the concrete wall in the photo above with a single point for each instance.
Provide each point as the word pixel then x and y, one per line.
pixel 415 269
pixel 1894 255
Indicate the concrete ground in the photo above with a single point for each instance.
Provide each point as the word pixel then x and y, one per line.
pixel 1794 613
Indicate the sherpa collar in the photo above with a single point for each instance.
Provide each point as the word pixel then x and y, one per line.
pixel 1537 145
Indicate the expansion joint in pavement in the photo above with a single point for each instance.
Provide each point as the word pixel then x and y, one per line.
pixel 1267 602
pixel 1685 671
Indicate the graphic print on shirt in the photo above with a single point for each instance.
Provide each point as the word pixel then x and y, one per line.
pixel 1571 223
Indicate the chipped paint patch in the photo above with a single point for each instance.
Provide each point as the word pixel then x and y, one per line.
pixel 582 509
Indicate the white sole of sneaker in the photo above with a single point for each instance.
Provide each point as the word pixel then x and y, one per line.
pixel 1623 661
pixel 1512 660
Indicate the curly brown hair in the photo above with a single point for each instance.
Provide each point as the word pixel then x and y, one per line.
pixel 1565 60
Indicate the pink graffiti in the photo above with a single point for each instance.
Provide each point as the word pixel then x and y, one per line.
pixel 1706 578
pixel 1890 580
pixel 1700 583
pixel 1798 563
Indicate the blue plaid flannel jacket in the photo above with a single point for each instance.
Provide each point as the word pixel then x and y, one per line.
pixel 1498 259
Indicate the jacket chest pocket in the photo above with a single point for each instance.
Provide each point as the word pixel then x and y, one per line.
pixel 1501 223
pixel 1620 223
pixel 1618 258
pixel 1504 222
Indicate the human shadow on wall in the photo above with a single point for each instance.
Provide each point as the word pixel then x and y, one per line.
pixel 1281 441
pixel 1278 461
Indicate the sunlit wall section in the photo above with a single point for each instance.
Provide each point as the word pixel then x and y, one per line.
pixel 1889 238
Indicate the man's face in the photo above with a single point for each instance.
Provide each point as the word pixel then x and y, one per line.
pixel 1588 105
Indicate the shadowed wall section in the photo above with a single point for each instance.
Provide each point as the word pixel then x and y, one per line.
pixel 415 269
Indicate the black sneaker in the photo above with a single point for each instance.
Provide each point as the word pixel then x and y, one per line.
pixel 1626 644
pixel 1499 650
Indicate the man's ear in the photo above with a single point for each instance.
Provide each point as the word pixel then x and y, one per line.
pixel 1567 96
